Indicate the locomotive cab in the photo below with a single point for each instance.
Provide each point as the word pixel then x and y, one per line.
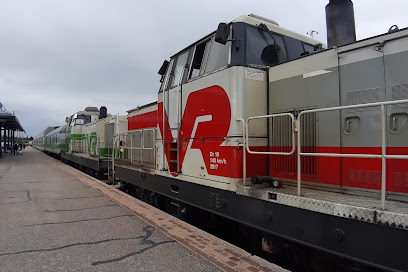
pixel 253 67
pixel 75 134
pixel 207 86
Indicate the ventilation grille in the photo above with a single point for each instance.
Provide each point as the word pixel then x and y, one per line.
pixel 401 180
pixel 357 176
pixel 400 92
pixel 363 97
pixel 281 141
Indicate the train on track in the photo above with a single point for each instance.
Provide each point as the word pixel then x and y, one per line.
pixel 271 129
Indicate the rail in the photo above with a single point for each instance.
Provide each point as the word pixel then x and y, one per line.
pixel 297 128
pixel 243 151
pixel 271 152
pixel 111 146
pixel 142 144
pixel 245 139
pixel 383 155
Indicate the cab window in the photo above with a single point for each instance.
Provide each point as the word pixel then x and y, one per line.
pixel 82 119
pixel 179 69
pixel 217 56
pixel 258 43
pixel 79 121
pixel 166 79
pixel 197 66
pixel 309 48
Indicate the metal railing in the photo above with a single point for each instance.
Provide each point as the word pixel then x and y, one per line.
pixel 243 151
pixel 142 147
pixel 272 152
pixel 383 155
pixel 245 133
pixel 121 141
pixel 85 145
pixel 296 128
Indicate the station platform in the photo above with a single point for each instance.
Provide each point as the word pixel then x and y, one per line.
pixel 56 218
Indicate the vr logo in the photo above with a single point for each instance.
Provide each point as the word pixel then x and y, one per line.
pixel 205 123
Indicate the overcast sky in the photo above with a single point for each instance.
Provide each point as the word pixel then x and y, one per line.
pixel 59 56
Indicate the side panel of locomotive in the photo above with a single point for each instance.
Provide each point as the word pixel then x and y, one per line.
pixel 75 135
pixel 97 136
pixel 140 138
pixel 210 134
pixel 106 129
pixel 89 138
pixel 365 72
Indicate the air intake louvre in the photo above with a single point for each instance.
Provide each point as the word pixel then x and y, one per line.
pixel 400 92
pixel 366 96
pixel 281 141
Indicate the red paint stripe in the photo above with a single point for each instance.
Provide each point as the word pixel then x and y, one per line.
pixel 145 120
pixel 349 172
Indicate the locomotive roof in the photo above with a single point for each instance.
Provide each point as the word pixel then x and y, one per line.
pixel 86 112
pixel 251 20
pixel 142 107
pixel 272 26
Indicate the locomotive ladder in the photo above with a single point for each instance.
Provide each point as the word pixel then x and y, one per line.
pixel 174 145
pixel 174 148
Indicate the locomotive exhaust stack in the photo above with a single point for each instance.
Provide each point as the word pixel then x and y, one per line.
pixel 340 23
pixel 103 112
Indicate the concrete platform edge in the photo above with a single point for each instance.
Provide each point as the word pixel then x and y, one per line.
pixel 220 253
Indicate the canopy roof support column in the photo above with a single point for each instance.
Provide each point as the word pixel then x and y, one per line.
pixel 1 140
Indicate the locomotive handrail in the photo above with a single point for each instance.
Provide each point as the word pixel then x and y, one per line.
pixel 243 151
pixel 271 152
pixel 142 143
pixel 112 140
pixel 383 155
pixel 80 145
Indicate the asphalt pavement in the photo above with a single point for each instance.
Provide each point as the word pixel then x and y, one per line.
pixel 52 221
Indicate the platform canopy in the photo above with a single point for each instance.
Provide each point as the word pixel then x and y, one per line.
pixel 10 121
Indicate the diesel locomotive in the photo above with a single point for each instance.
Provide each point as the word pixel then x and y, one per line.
pixel 270 128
